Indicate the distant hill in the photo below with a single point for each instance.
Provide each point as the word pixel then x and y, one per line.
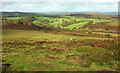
pixel 89 15
pixel 77 14
pixel 14 14
pixel 61 13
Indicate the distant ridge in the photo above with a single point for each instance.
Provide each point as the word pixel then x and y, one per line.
pixel 110 14
pixel 89 15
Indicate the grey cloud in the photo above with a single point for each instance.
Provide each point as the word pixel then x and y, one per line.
pixel 60 6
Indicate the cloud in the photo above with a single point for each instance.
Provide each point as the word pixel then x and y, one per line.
pixel 59 0
pixel 60 6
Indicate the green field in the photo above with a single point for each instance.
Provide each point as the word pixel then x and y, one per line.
pixel 19 35
pixel 115 22
pixel 76 25
pixel 58 21
pixel 14 18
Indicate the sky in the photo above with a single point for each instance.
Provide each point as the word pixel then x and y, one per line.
pixel 60 0
pixel 60 6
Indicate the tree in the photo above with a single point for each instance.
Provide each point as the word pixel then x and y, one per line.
pixel 20 22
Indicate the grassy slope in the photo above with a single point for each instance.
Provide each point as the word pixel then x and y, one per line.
pixel 14 18
pixel 9 34
pixel 115 22
pixel 76 25
pixel 52 56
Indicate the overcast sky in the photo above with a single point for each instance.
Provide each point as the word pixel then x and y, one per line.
pixel 60 0
pixel 60 5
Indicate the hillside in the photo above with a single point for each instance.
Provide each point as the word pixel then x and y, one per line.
pixel 90 15
pixel 69 42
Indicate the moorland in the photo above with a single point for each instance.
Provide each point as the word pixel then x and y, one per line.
pixel 67 42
